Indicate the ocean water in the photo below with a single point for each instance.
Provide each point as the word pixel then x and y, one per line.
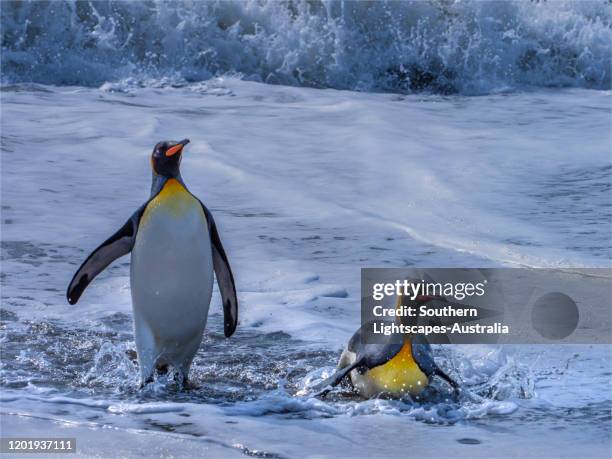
pixel 315 164
pixel 307 186
pixel 447 46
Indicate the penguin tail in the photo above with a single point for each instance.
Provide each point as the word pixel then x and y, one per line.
pixel 327 384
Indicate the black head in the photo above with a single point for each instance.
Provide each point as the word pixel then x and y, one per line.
pixel 166 157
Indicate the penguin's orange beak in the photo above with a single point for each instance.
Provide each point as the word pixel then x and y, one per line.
pixel 177 148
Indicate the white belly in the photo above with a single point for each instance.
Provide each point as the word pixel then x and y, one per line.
pixel 171 282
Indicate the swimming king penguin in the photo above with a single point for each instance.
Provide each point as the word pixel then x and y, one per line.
pixel 175 246
pixel 396 368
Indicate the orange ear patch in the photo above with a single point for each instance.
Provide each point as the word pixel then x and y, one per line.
pixel 173 150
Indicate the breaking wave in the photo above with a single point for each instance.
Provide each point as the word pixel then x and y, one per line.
pixel 446 46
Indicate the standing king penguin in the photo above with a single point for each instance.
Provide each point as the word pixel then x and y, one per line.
pixel 397 367
pixel 175 246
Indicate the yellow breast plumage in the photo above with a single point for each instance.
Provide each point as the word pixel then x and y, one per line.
pixel 173 199
pixel 400 375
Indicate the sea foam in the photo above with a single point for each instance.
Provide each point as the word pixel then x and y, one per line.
pixel 469 47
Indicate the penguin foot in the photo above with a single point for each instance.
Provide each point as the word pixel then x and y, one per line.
pixel 186 384
pixel 182 380
pixel 178 377
pixel 161 370
pixel 132 355
pixel 149 380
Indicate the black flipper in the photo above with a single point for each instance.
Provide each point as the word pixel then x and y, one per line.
pixel 368 356
pixel 422 354
pixel 326 385
pixel 372 355
pixel 456 387
pixel 116 246
pixel 225 278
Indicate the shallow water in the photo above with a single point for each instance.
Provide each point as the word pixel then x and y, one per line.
pixel 307 186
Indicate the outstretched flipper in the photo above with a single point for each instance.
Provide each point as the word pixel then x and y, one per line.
pixel 454 384
pixel 327 384
pixel 225 278
pixel 119 244
pixel 367 356
pixel 422 354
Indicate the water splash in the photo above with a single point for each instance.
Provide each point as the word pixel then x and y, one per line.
pixel 498 382
pixel 444 46
pixel 112 368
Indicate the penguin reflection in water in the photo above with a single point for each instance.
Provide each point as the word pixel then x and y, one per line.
pixel 398 367
pixel 175 247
